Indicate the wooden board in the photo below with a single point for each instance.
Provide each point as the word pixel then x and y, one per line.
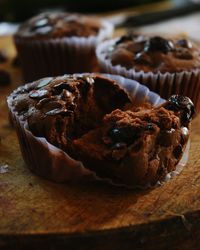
pixel 36 213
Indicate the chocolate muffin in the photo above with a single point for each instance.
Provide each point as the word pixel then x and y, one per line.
pixel 166 66
pixel 51 44
pixel 139 146
pixel 94 120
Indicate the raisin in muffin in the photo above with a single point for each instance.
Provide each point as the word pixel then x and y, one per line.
pixel 166 65
pixel 51 44
pixel 94 120
pixel 139 146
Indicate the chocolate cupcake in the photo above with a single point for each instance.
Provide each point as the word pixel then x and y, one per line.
pixel 140 146
pixel 166 66
pixel 101 127
pixel 52 44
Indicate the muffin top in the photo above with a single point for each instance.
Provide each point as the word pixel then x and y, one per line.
pixel 154 54
pixel 57 25
pixel 63 108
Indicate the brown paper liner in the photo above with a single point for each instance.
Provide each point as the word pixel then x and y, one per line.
pixel 165 84
pixel 54 164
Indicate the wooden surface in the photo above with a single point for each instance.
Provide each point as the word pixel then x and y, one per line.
pixel 38 214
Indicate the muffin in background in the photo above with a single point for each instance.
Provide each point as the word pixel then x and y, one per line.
pixel 166 66
pixel 51 44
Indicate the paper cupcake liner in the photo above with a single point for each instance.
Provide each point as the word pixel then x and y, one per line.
pixel 52 163
pixel 40 58
pixel 165 84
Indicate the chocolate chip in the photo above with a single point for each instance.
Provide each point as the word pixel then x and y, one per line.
pixel 58 111
pixel 123 135
pixel 182 104
pixel 184 43
pixel 44 30
pixel 43 101
pixel 128 134
pixel 3 56
pixel 44 22
pixel 51 106
pixel 39 94
pixel 51 103
pixel 183 54
pixel 158 44
pixel 143 58
pixel 124 38
pixel 177 152
pixel 4 78
pixel 131 36
pixel 44 82
pixel 61 86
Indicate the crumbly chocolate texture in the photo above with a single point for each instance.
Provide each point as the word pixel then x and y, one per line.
pixel 58 25
pixel 137 148
pixel 154 54
pixel 63 108
pixel 93 120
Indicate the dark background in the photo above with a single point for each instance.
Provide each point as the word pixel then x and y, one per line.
pixel 19 10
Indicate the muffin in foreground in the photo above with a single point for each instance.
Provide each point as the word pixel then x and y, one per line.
pixel 52 44
pixel 166 66
pixel 101 122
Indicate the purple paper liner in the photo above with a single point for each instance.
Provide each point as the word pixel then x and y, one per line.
pixel 165 84
pixel 52 163
pixel 57 56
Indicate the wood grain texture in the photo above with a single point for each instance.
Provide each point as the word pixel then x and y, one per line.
pixel 36 213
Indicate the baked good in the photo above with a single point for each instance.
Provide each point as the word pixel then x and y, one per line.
pixel 166 65
pixel 139 146
pixel 93 119
pixel 51 44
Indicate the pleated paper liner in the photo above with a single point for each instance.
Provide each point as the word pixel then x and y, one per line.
pixel 185 83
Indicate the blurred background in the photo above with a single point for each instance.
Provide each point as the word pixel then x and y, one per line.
pixel 158 16
pixel 19 10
